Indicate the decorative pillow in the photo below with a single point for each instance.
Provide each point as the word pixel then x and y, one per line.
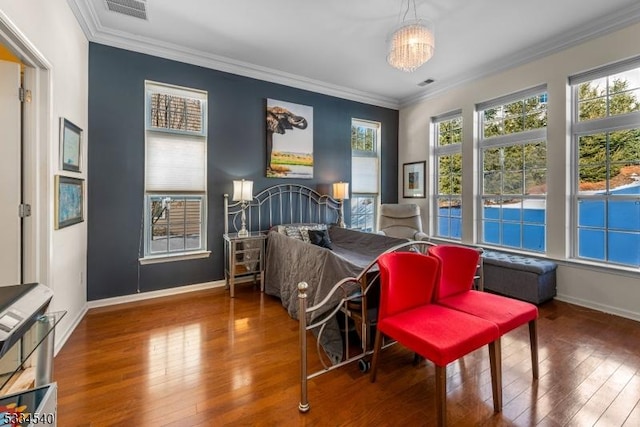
pixel 304 230
pixel 320 238
pixel 293 231
pixel 301 231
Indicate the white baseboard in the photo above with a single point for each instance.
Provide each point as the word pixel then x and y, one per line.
pixel 155 294
pixel 600 307
pixel 60 342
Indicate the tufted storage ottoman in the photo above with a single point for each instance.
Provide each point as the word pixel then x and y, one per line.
pixel 524 278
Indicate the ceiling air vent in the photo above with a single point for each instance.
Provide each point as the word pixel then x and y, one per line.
pixel 426 82
pixel 135 8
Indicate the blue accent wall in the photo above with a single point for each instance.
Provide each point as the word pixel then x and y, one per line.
pixel 236 149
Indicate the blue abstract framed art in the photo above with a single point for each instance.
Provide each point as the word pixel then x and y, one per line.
pixel 69 201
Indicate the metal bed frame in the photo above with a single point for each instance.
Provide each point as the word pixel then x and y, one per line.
pixel 282 204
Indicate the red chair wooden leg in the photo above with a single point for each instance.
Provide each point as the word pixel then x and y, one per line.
pixel 533 337
pixel 441 395
pixel 495 360
pixel 376 355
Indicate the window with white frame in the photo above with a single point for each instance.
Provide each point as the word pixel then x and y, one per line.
pixel 175 170
pixel 513 184
pixel 448 174
pixel 365 174
pixel 606 142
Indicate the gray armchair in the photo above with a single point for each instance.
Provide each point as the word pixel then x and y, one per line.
pixel 402 221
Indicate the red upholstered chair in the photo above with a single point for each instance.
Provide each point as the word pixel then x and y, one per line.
pixel 459 264
pixel 408 315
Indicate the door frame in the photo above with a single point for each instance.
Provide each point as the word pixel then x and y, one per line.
pixel 37 131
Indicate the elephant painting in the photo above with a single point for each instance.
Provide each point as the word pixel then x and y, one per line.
pixel 289 140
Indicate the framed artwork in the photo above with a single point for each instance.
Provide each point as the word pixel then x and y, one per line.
pixel 289 140
pixel 413 180
pixel 70 146
pixel 69 200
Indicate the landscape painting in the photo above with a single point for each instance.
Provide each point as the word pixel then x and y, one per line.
pixel 289 140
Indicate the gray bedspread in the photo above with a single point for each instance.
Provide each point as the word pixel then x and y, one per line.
pixel 290 261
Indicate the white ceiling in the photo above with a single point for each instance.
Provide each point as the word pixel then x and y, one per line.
pixel 338 47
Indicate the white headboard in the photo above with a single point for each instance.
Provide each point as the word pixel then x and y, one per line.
pixel 282 204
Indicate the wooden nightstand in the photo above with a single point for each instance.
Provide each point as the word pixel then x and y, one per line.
pixel 244 256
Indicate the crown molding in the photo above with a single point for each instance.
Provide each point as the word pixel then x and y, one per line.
pixel 95 32
pixel 219 63
pixel 86 16
pixel 600 27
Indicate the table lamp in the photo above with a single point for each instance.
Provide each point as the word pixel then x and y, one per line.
pixel 341 193
pixel 243 193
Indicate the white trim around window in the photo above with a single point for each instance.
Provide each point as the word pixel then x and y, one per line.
pixel 512 171
pixel 605 195
pixel 175 201
pixel 447 175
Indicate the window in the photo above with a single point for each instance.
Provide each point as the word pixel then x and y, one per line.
pixel 513 152
pixel 175 171
pixel 448 174
pixel 365 174
pixel 606 138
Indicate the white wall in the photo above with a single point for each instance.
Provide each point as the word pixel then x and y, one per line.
pixel 50 27
pixel 586 285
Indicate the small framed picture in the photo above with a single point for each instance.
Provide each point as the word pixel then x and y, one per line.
pixel 70 146
pixel 413 180
pixel 69 201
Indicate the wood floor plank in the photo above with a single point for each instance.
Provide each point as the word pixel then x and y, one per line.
pixel 634 417
pixel 203 359
pixel 616 413
pixel 599 401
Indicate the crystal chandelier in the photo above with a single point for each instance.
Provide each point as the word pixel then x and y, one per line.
pixel 411 44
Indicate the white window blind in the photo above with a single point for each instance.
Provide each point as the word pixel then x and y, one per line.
pixel 175 163
pixel 364 175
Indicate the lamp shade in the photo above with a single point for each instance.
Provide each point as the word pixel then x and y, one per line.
pixel 341 190
pixel 242 190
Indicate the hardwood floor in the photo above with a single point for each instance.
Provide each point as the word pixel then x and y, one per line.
pixel 203 359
